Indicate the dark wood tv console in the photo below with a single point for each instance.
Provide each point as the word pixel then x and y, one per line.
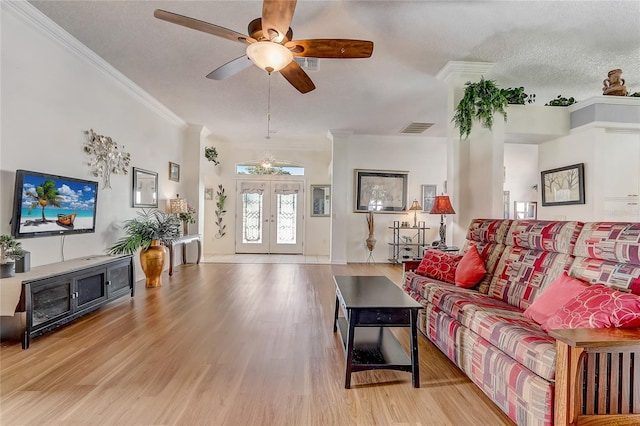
pixel 55 294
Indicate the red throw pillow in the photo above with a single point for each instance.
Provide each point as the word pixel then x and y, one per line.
pixel 560 291
pixel 439 265
pixel 597 306
pixel 470 270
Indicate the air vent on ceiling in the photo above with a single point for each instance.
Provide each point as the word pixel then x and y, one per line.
pixel 415 128
pixel 308 64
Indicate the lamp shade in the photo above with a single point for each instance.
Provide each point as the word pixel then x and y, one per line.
pixel 269 56
pixel 442 205
pixel 178 205
pixel 415 205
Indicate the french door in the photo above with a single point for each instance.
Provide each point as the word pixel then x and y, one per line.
pixel 270 216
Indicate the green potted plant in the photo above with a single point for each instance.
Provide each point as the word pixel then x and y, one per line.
pixel 10 251
pixel 517 96
pixel 481 101
pixel 561 101
pixel 149 232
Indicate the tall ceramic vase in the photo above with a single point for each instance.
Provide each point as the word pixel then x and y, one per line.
pixel 152 262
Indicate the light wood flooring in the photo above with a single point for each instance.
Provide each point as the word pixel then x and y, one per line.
pixel 226 344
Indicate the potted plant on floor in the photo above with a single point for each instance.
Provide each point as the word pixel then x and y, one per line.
pixel 10 251
pixel 150 232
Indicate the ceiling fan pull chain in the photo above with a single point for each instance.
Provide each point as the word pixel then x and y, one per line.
pixel 268 108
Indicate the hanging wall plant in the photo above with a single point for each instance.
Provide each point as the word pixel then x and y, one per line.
pixel 221 199
pixel 481 101
pixel 211 154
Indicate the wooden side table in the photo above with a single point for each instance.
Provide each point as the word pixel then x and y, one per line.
pixel 184 240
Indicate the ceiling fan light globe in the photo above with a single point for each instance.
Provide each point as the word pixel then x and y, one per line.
pixel 269 56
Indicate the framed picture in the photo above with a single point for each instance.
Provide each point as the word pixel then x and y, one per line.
pixel 321 200
pixel 525 210
pixel 562 186
pixel 208 193
pixel 429 193
pixel 380 191
pixel 174 172
pixel 145 188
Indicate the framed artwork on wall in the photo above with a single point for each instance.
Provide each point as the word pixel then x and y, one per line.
pixel 321 200
pixel 383 191
pixel 208 193
pixel 429 193
pixel 562 186
pixel 145 188
pixel 174 172
pixel 525 210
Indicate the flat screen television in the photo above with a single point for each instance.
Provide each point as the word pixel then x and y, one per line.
pixel 46 204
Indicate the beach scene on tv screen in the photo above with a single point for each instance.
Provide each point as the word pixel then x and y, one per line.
pixel 56 205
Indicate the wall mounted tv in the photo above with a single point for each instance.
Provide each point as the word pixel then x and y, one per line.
pixel 46 204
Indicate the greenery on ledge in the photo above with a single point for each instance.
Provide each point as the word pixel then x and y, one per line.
pixel 561 101
pixel 481 101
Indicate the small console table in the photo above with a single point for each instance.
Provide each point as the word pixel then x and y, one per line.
pixel 183 241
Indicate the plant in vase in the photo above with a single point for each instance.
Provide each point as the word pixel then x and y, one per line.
pixel 149 232
pixel 10 251
pixel 188 217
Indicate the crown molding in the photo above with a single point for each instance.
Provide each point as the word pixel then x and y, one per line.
pixel 36 19
pixel 453 69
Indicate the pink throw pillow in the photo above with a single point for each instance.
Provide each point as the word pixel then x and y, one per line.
pixel 560 291
pixel 439 265
pixel 597 306
pixel 470 270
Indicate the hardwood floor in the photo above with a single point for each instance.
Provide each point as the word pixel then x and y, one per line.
pixel 227 344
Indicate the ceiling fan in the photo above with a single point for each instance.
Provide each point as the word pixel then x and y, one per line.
pixel 270 45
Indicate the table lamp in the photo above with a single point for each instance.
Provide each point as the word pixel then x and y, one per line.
pixel 415 206
pixel 442 206
pixel 178 205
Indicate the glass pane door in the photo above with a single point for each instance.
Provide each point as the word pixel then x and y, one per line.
pixel 270 217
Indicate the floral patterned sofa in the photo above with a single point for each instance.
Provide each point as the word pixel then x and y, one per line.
pixel 510 357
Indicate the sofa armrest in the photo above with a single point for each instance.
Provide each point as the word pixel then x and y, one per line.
pixel 604 366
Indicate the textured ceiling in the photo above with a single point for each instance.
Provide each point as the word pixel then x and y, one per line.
pixel 550 48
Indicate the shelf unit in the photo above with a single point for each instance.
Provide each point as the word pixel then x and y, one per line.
pixel 400 249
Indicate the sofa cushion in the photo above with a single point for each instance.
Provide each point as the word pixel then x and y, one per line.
pixel 439 265
pixel 614 241
pixel 488 236
pixel 523 273
pixel 559 292
pixel 597 307
pixel 523 395
pixel 609 253
pixel 551 236
pixel 470 270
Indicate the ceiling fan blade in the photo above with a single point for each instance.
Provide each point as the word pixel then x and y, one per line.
pixel 276 18
pixel 297 77
pixel 230 68
pixel 205 27
pixel 331 48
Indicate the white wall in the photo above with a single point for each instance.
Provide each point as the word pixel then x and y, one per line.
pixel 314 156
pixel 521 173
pixel 50 95
pixel 424 158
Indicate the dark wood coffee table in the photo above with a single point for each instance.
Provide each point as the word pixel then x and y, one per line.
pixel 372 304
